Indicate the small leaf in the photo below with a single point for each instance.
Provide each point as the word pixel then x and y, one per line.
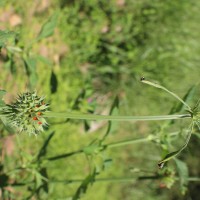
pixel 44 60
pixel 107 163
pixel 13 49
pixel 48 28
pixel 86 125
pixel 2 93
pixel 38 179
pixel 198 135
pixel 93 148
pixel 114 108
pixel 44 174
pixel 42 181
pixel 7 125
pixel 5 36
pixel 84 185
pixel 188 96
pixel 30 64
pixel 53 82
pixel 183 174
pixel 43 150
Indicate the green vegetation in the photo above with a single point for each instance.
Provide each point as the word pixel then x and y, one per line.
pixel 87 58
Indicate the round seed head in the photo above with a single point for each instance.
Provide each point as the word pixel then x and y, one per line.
pixel 23 116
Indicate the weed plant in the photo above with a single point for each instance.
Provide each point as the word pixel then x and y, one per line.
pixel 28 115
pixel 87 58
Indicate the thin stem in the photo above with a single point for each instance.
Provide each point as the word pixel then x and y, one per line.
pixel 175 153
pixel 168 91
pixel 115 180
pixel 111 145
pixel 113 118
pixel 127 142
pixel 194 179
pixel 134 141
pixel 121 179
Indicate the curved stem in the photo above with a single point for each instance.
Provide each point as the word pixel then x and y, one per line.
pixel 113 118
pixel 168 91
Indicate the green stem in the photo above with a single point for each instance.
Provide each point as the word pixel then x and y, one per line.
pixel 127 142
pixel 171 155
pixel 134 141
pixel 111 145
pixel 113 118
pixel 121 179
pixel 194 179
pixel 168 91
pixel 116 180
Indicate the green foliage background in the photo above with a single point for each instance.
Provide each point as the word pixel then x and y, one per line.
pixel 100 49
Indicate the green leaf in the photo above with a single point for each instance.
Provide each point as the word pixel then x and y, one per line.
pixel 113 109
pixel 188 96
pixel 2 93
pixel 7 125
pixel 53 82
pixel 14 49
pixel 93 148
pixel 183 174
pixel 175 153
pixel 3 119
pixel 197 134
pixel 84 185
pixel 44 60
pixel 44 174
pixel 47 29
pixel 30 64
pixel 107 163
pixel 5 36
pixel 43 150
pixel 38 179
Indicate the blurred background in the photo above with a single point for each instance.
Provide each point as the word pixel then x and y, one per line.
pixel 81 54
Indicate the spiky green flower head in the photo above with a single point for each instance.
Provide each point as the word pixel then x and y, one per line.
pixel 26 113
